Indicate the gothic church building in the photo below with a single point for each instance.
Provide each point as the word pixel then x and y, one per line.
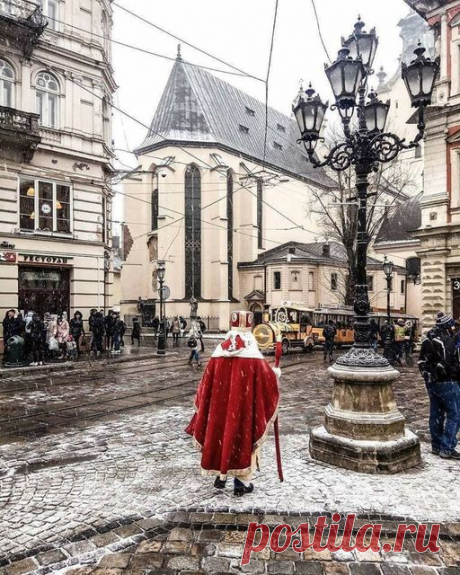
pixel 205 199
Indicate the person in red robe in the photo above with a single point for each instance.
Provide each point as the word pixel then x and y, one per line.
pixel 236 402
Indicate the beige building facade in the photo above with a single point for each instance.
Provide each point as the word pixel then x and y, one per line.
pixel 439 233
pixel 203 199
pixel 56 85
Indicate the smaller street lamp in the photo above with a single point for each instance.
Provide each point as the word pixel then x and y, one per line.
pixel 161 270
pixel 388 271
pixel 345 76
pixel 375 113
pixel 309 113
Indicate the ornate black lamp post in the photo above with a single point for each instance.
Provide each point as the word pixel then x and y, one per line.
pixel 388 271
pixel 161 270
pixel 361 374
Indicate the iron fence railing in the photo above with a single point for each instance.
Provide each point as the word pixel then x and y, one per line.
pixel 211 322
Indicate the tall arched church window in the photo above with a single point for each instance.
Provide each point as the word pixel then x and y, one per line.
pixel 47 98
pixel 155 209
pixel 6 84
pixel 192 232
pixel 260 214
pixel 230 233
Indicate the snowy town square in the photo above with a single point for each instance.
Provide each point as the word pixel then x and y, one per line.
pixel 229 287
pixel 98 473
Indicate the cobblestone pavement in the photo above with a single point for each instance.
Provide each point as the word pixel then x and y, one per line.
pixel 92 462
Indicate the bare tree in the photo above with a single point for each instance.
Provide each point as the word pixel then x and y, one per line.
pixel 336 211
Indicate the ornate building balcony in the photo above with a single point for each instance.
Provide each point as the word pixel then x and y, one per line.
pixel 19 134
pixel 22 23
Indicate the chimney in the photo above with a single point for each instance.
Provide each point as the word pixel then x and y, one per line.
pixel 326 250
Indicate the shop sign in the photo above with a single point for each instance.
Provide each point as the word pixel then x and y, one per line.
pixel 46 259
pixel 7 257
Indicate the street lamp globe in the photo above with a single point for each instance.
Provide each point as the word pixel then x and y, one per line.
pixel 345 75
pixel 420 77
pixel 309 113
pixel 362 44
pixel 387 267
pixel 161 270
pixel 375 113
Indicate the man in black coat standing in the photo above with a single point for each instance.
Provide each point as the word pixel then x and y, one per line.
pixel 439 366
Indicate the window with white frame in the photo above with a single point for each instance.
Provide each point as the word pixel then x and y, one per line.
pixel 50 10
pixel 6 84
pixel 44 206
pixel 47 98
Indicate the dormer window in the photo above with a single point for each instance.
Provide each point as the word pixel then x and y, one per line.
pixel 250 111
pixel 280 128
pixel 244 129
pixel 277 146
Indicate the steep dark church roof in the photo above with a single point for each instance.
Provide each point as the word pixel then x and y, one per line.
pixel 406 218
pixel 199 108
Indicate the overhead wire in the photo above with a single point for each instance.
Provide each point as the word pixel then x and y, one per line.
pixel 196 158
pixel 267 80
pixel 150 23
pixel 318 25
pixel 140 49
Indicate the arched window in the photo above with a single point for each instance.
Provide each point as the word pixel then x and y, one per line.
pixel 6 84
pixel 155 209
pixel 230 233
pixel 47 99
pixel 192 232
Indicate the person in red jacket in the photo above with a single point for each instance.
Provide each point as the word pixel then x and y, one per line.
pixel 236 402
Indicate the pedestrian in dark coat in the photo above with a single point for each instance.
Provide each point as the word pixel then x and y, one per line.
pixel 109 322
pixel 201 332
pixel 98 329
pixel 136 332
pixel 77 329
pixel 37 336
pixel 117 330
pixel 156 327
pixel 373 334
pixel 329 333
pixel 388 337
pixel 9 327
pixel 439 366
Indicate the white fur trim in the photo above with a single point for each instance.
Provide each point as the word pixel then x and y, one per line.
pixel 251 351
pixel 277 371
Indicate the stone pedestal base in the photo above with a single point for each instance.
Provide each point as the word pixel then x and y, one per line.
pixel 366 456
pixel 364 429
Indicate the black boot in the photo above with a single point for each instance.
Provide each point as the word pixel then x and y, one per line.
pixel 240 488
pixel 219 483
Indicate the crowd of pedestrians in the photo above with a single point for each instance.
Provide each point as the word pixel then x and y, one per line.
pixel 53 337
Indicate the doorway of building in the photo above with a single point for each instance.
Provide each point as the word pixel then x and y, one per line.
pixel 44 289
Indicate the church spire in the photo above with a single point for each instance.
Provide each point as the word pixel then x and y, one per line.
pixel 179 55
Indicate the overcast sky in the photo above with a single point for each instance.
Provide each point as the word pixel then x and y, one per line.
pixel 239 32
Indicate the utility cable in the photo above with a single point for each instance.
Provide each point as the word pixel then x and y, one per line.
pixel 268 79
pixel 150 23
pixel 318 25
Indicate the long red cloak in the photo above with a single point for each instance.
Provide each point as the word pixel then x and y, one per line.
pixel 236 401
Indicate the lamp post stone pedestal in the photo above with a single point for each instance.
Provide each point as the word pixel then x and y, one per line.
pixel 364 430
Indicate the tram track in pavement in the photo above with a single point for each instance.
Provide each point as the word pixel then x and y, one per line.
pixel 63 416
